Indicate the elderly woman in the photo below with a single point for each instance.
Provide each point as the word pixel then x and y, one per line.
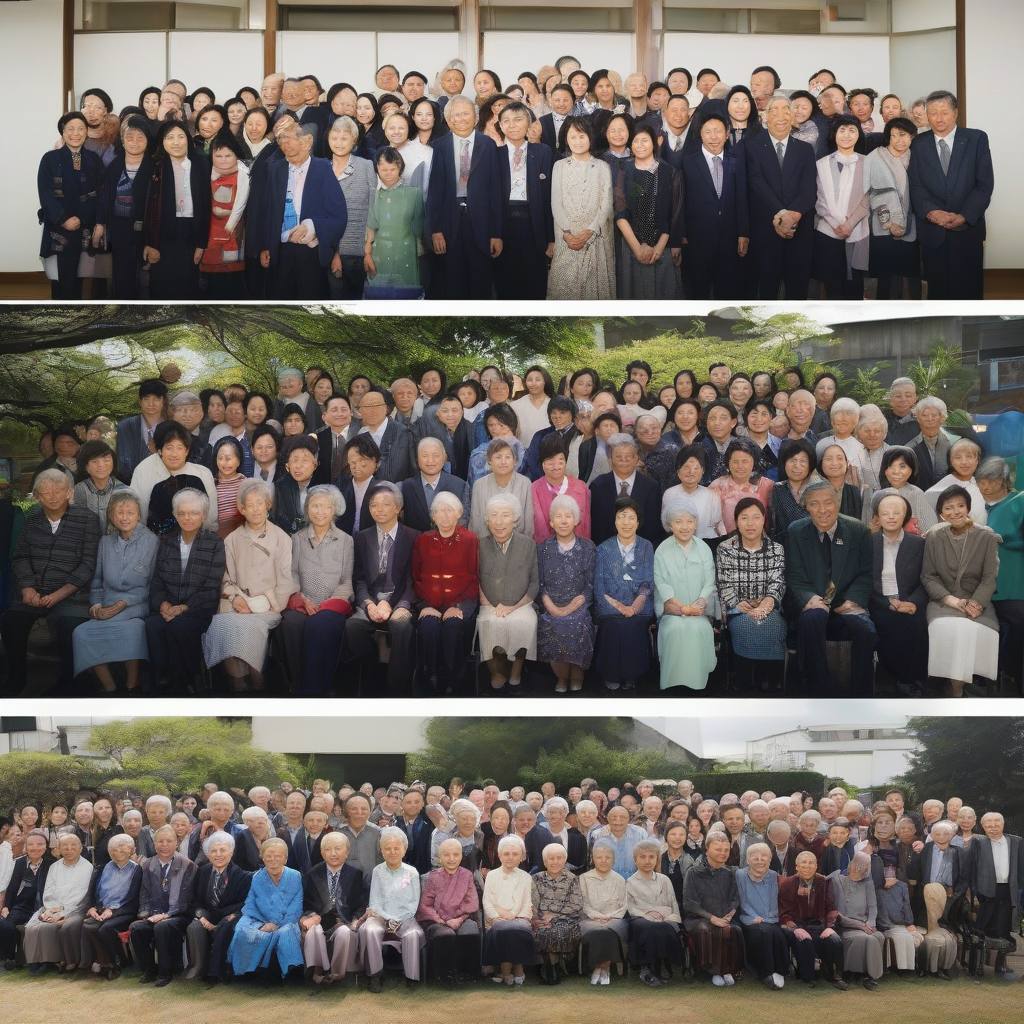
pixel 445 576
pixel 892 893
pixel 313 625
pixel 557 906
pixel 249 840
pixel 391 912
pixel 603 927
pixel 961 563
pixel 797 468
pixel 624 584
pixel 508 914
pixel 113 903
pixel 844 416
pixel 53 935
pixel 119 596
pixel 1005 508
pixel 358 181
pixel 509 584
pixel 964 457
pixel 863 943
pixel 268 929
pixel 95 479
pixel 654 917
pixel 258 582
pixel 767 950
pixel 623 836
pixel 931 444
pixel 466 830
pixel 684 586
pixel 448 912
pixel 710 902
pixel 501 478
pixel 872 427
pixel 184 590
pixel 751 585
pixel 565 629
pixel 334 899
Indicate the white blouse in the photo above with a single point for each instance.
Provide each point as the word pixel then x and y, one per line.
pixel 511 890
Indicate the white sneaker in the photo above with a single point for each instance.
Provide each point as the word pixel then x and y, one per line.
pixel 728 979
pixel 595 977
pixel 779 980
pixel 605 977
pixel 718 980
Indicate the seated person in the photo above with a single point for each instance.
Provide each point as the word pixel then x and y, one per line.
pixel 808 914
pixel 24 889
pixel 113 905
pixel 448 910
pixel 268 929
pixel 382 579
pixel 603 927
pixel 166 902
pixel 391 911
pixel 333 900
pixel 508 914
pixel 304 844
pixel 863 943
pixel 765 940
pixel 710 902
pixel 221 890
pixel 654 917
pixel 557 906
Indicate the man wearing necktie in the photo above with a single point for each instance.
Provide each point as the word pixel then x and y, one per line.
pixel 624 479
pixel 951 182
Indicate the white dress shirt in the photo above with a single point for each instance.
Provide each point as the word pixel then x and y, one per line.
pixel 948 139
pixel 1001 859
pixel 296 185
pixel 630 480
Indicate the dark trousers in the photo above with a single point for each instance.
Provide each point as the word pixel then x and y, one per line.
pixel 359 637
pixel 210 949
pixel 712 270
pixel 444 646
pixel 829 951
pixel 224 285
pixel 955 270
pixel 296 274
pixel 786 262
pixel 902 643
pixel 176 274
pixel 817 626
pixel 18 622
pixel 995 913
pixel 522 267
pixel 767 949
pixel 176 646
pixel 451 952
pixel 9 935
pixel 467 270
pixel 1011 647
pixel 100 940
pixel 312 647
pixel 350 284
pixel 164 939
pixel 68 284
pixel 126 251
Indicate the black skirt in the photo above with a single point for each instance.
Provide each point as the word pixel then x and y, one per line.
pixel 653 940
pixel 623 648
pixel 509 942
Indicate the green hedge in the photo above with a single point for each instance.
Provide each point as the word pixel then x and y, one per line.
pixel 714 784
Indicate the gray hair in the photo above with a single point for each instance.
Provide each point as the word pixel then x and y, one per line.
pixel 556 801
pixel 254 812
pixel 335 839
pixel 778 824
pixel 862 862
pixel 620 441
pixel 843 405
pixel 552 849
pixel 812 815
pixel 393 489
pixel 931 402
pixel 446 498
pixel 190 494
pixel 54 476
pixel 345 123
pixel 260 790
pixel 961 442
pixel 509 501
pixel 565 501
pixel 645 416
pixel 220 797
pixel 586 805
pixel 451 843
pixel 676 509
pixel 902 382
pixel 125 840
pixel 429 441
pixel 157 798
pixel 451 104
pixel 759 804
pixel 133 814
pixel 994 468
pixel 325 491
pixel 813 487
pixel 184 398
pixel 260 487
pixel 777 98
pixel 647 846
pixel 886 492
pixel 760 847
pixel 506 841
pixel 122 496
pixel 870 413
pixel 944 826
pixel 290 371
pixel 218 839
pixel 460 805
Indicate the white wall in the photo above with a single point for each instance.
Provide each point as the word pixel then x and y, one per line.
pixel 222 61
pixel 921 15
pixel 342 735
pixel 32 34
pixel 993 33
pixel 922 62
pixel 141 61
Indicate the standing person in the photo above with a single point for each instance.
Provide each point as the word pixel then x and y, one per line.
pixel 951 181
pixel 358 183
pixel 394 224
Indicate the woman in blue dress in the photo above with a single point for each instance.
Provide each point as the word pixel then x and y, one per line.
pixel 269 925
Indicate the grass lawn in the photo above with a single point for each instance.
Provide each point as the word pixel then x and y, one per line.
pixel 91 1000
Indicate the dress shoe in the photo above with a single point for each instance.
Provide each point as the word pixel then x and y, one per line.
pixel 163 981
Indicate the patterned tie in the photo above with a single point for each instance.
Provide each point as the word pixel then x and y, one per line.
pixel 677 144
pixel 781 152
pixel 517 159
pixel 464 168
pixel 385 550
pixel 218 888
pixel 944 155
pixel 332 887
pixel 624 488
pixel 336 459
pixel 264 474
pixel 718 175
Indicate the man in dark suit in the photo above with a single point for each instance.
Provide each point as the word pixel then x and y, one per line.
pixel 528 230
pixel 418 830
pixel 220 892
pixel 464 203
pixel 624 480
pixel 951 181
pixel 717 221
pixel 382 578
pixel 995 873
pixel 828 584
pixel 304 845
pixel 783 188
pixel 301 220
pixel 336 433
pixel 676 131
pixel 561 99
pixel 419 490
pixel 135 433
pixel 397 459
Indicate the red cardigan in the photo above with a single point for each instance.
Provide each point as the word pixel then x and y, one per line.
pixel 446 571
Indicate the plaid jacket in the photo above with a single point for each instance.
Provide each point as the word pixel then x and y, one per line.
pixel 750 575
pixel 199 585
pixel 48 561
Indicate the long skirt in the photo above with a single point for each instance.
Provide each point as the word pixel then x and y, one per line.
pixel 176 275
pixel 938 951
pixel 767 949
pixel 450 952
pixel 686 645
pixel 863 952
pixel 514 633
pixel 252 948
pixel 718 950
pixel 758 641
pixel 623 647
pixel 569 639
pixel 604 942
pixel 46 943
pixel 634 280
pixel 654 940
pixel 962 648
pixel 116 639
pixel 343 955
pixel 562 937
pixel 239 636
pixel 905 946
pixel 509 942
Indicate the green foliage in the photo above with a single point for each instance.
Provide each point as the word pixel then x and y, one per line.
pixel 782 783
pixel 28 776
pixel 865 388
pixel 944 375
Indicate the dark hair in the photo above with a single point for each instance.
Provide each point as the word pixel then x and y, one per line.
pixel 803 94
pixel 722 403
pixel 639 364
pixel 440 127
pixel 623 502
pixel 336 88
pixel 771 71
pixel 481 395
pixel 91 450
pixel 337 394
pixel 703 72
pixel 527 74
pixel 694 386
pixel 503 413
pixel 692 400
pixel 937 96
pixel 145 92
pixel 252 112
pixel 226 139
pixel 433 368
pixel 250 89
pixel 952 491
pixel 880 496
pixel 743 446
pixel 267 401
pixel 629 121
pixel 206 92
pixel 486 110
pixel 597 76
pixel 206 394
pixel 303 441
pixel 822 71
pixel 903 124
pixel 753 121
pixel 764 402
pixel 685 71
pixel 549 386
pixel 713 115
pixel 715 366
pixel 798 373
pixel 581 122
pixel 102 96
pixel 563 86
pixel 323 375
pixel 692 451
pixel 908 455
pixel 390 97
pixel 631 383
pixel 576 74
pixel 824 375
pixel 748 502
pixel 789 448
pixel 152 386
pixel 770 376
pixel 365 445
pixel 266 430
pixel 225 442
pixel 657 85
pixel 644 128
pixel 610 415
pixel 169 430
pixel 561 403
pixel 389 155
pixel 594 376
pixel 358 376
pixel 294 409
pixel 414 74
pixel 494 78
pixel 840 121
pixel 165 129
pixel 373 103
pixel 871 94
pixel 552 445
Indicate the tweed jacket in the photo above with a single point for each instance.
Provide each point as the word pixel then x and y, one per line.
pixel 198 585
pixel 47 561
pixel 942 574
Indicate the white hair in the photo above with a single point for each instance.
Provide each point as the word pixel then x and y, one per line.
pixel 325 491
pixel 565 501
pixel 54 476
pixel 190 494
pixel 555 802
pixel 120 840
pixel 218 839
pixel 931 402
pixel 843 405
pixel 506 841
pixel 760 848
pixel 446 498
pixel 220 797
pixel 260 487
pixel 509 501
pixel 157 798
pixel 393 832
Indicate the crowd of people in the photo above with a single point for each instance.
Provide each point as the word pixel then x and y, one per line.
pixel 478 881
pixel 617 531
pixel 565 185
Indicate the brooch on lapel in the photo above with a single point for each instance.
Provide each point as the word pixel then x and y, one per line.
pixel 543 177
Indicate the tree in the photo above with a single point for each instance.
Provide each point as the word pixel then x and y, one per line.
pixel 944 375
pixel 41 777
pixel 980 760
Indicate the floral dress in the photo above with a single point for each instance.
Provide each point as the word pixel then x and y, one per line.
pixel 563 897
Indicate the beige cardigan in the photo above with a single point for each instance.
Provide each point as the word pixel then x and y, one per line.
pixel 644 895
pixel 603 897
pixel 512 891
pixel 261 565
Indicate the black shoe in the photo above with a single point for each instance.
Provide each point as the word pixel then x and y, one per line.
pixel 163 981
pixel 649 979
pixel 10 965
pixel 113 974
pixel 556 974
pixel 374 983
pixel 869 983
pixel 147 977
pixel 212 982
pixel 665 974
pixel 838 984
pixel 943 975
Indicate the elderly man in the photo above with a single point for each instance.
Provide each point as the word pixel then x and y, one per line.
pixel 555 829
pixel 783 851
pixel 364 838
pixel 290 391
pixel 951 181
pixel 221 888
pixel 710 904
pixel 394 440
pixel 940 861
pixel 186 408
pixel 333 436
pixel 624 480
pixel 419 490
pixel 270 91
pixel 464 204
pixel 260 797
pixel 404 393
pixel 828 583
pixel 808 914
pixel 902 423
pixel 800 413
pixel 782 189
pixel 52 568
pixel 303 218
pixel 113 903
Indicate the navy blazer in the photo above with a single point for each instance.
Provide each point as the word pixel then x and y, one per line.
pixel 130 449
pixel 300 857
pixel 232 899
pixel 576 856
pixel 347 521
pixel 366 579
pixel 770 188
pixel 415 512
pixel 646 493
pixel 322 473
pixel 966 189
pixel 714 221
pixel 909 563
pixel 548 137
pixel 349 900
pixel 323 202
pixel 418 853
pixel 539 160
pixel 397 452
pixel 65 192
pixel 674 157
pixel 483 192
